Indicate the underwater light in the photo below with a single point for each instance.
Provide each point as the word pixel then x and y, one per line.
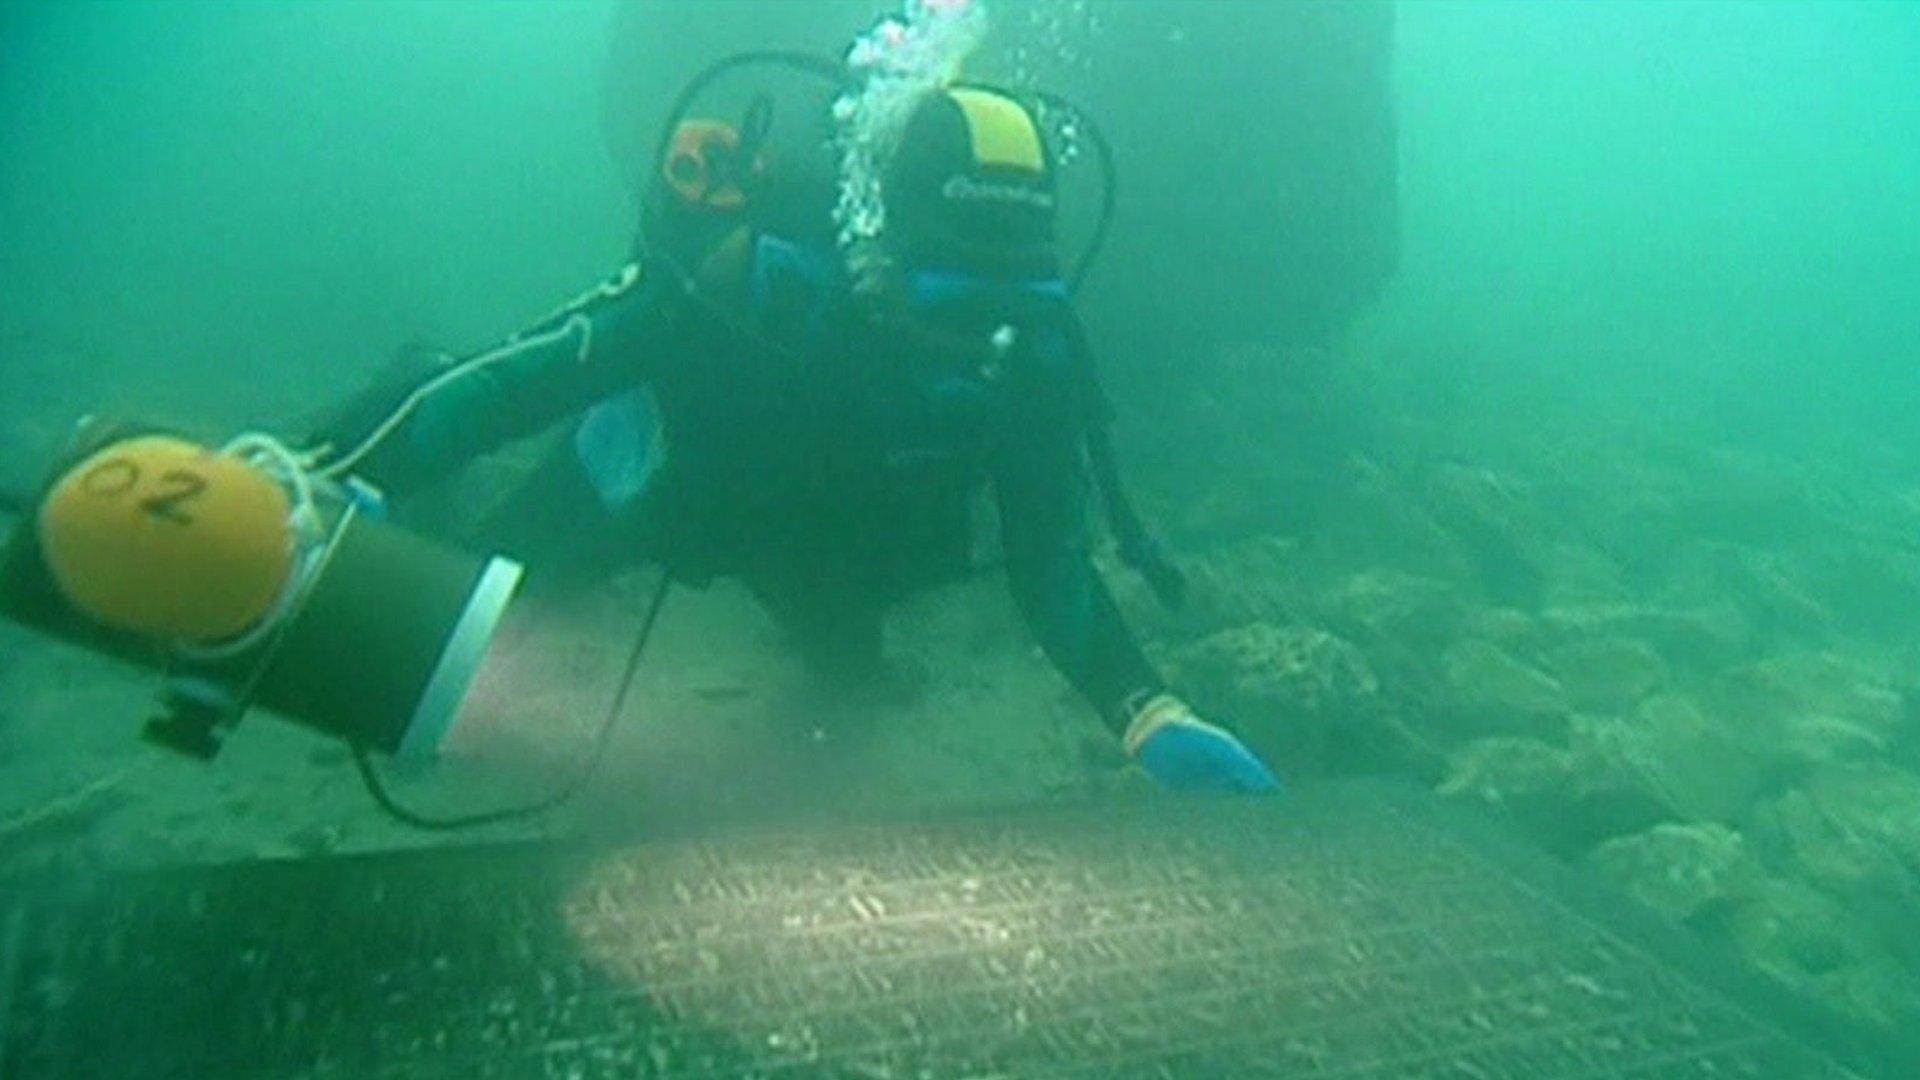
pixel 245 580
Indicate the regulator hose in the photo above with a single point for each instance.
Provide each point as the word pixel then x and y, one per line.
pixel 1109 184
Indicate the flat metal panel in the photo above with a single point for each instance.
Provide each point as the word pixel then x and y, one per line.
pixel 1340 932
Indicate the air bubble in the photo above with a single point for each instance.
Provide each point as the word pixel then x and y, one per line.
pixel 899 60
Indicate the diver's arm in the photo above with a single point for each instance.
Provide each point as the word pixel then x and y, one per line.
pixel 1041 480
pixel 1067 605
pixel 432 413
pixel 1071 612
pixel 1041 485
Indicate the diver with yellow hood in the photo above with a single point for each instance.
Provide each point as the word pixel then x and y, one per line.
pixel 756 401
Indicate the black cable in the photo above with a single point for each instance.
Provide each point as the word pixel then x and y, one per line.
pixel 376 788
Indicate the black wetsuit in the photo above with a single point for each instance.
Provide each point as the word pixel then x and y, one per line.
pixel 827 459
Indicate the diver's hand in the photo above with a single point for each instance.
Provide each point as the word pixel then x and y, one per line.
pixel 1186 753
pixel 338 428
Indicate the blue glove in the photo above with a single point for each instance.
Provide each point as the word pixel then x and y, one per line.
pixel 1186 753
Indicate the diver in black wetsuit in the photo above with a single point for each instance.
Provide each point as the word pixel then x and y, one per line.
pixel 751 409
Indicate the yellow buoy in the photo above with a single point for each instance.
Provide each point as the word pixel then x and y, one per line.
pixel 160 536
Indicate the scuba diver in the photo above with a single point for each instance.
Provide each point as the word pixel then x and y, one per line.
pixel 753 403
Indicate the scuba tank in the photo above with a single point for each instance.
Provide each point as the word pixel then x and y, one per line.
pixel 248 580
